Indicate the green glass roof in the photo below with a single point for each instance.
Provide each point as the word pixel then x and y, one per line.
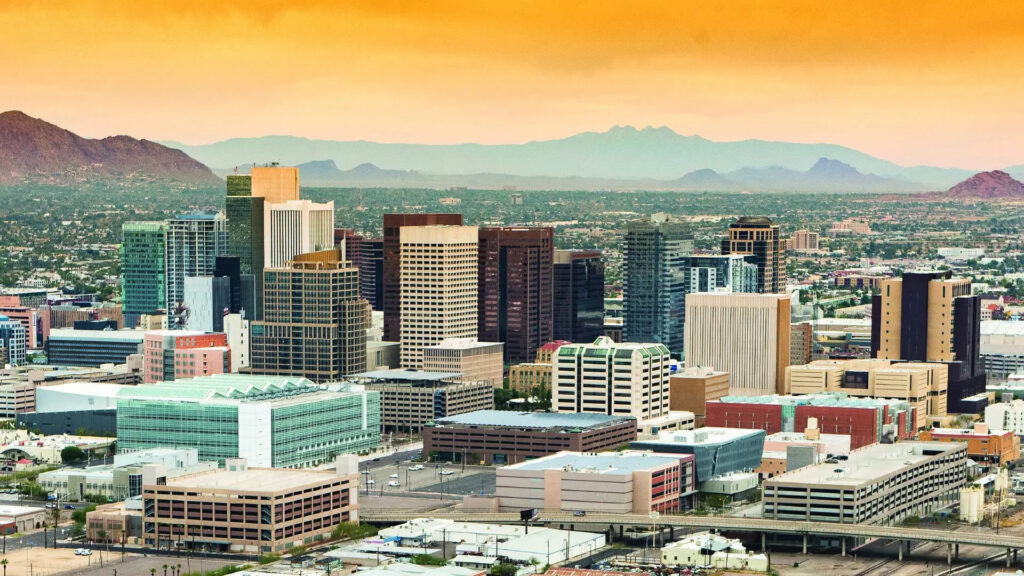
pixel 233 386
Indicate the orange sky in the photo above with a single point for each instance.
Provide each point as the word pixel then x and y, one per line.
pixel 942 86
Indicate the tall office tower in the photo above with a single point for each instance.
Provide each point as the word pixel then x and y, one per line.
pixel 275 183
pixel 314 322
pixel 353 251
pixel 230 267
pixel 746 335
pixel 392 293
pixel 929 316
pixel 208 299
pixel 629 379
pixel 245 238
pixel 579 296
pixel 143 268
pixel 438 287
pixel 759 237
pixel 516 289
pixel 654 281
pixel 804 241
pixel 13 342
pixel 296 227
pixel 371 271
pixel 193 243
pixel 713 273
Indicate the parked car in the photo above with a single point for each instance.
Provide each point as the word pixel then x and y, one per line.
pixel 393 476
pixel 371 482
pixel 69 507
pixel 447 472
pixel 83 552
pixel 416 468
pixel 579 513
pixel 394 484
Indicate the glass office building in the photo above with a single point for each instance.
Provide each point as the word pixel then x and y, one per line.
pixel 273 421
pixel 144 267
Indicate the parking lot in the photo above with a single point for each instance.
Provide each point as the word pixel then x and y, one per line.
pixel 431 479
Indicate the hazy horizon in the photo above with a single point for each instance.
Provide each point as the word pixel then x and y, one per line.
pixel 933 85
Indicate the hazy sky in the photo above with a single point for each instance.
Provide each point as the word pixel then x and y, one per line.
pixel 936 82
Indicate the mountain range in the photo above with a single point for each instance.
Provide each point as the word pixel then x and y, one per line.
pixel 995 185
pixel 623 153
pixel 35 150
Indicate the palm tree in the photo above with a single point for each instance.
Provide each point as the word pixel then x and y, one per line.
pixel 165 569
pixel 178 572
pixel 4 564
pixel 152 572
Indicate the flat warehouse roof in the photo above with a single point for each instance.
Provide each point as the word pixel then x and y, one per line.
pixel 512 418
pixel 867 464
pixel 253 479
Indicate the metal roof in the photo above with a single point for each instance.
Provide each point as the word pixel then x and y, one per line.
pixel 515 419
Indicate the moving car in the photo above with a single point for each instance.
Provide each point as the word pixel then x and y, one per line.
pixel 416 468
pixel 83 552
pixel 371 482
pixel 447 472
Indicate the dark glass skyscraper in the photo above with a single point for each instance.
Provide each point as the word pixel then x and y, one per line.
pixel 371 271
pixel 654 281
pixel 579 295
pixel 516 283
pixel 245 235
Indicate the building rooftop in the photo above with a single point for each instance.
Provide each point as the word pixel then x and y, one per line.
pixel 820 399
pixel 254 479
pixel 87 388
pixel 115 335
pixel 968 432
pixel 706 435
pixel 868 464
pixel 15 511
pixel 1001 327
pixel 598 463
pixel 405 375
pixel 462 344
pixel 222 386
pixel 546 420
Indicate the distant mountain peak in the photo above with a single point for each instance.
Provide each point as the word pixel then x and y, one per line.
pixel 32 149
pixel 993 184
pixel 833 169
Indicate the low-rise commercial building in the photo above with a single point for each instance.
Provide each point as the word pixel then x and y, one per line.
pixel 717 450
pixel 865 420
pixel 178 354
pixel 691 389
pixel 535 377
pixel 124 478
pixel 880 484
pixel 256 510
pixel 983 445
pixel 273 421
pixel 17 444
pixel 409 399
pixel 1006 416
pixel 70 347
pixel 707 549
pixel 505 437
pixel 476 361
pixel 612 483
pixel 23 518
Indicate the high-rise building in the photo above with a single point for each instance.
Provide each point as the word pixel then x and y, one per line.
pixel 516 289
pixel 628 379
pixel 654 281
pixel 13 339
pixel 391 279
pixel 314 322
pixel 930 316
pixel 275 183
pixel 438 287
pixel 245 237
pixel 475 361
pixel 193 243
pixel 143 267
pixel 208 301
pixel 296 227
pixel 746 335
pixel 720 273
pixel 578 296
pixel 353 249
pixel 371 271
pixel 760 237
pixel 801 343
pixel 803 241
pixel 230 268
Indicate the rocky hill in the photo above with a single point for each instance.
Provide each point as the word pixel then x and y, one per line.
pixel 987 186
pixel 35 150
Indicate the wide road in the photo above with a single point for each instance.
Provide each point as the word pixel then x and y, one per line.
pixel 737 524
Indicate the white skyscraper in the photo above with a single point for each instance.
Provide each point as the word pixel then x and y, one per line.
pixel 296 227
pixel 438 284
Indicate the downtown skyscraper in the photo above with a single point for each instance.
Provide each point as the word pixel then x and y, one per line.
pixel 245 236
pixel 516 289
pixel 760 238
pixel 143 268
pixel 654 281
pixel 578 296
pixel 193 243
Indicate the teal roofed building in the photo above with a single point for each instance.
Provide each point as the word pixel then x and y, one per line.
pixel 619 379
pixel 272 421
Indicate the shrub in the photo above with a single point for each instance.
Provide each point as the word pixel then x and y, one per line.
pixel 426 560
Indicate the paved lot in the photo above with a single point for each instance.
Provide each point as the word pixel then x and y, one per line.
pixel 461 481
pixel 139 565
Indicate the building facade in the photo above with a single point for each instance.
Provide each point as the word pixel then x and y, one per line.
pixel 296 227
pixel 314 321
pixel 371 271
pixel 438 287
pixel 476 361
pixel 717 451
pixel 760 238
pixel 654 281
pixel 176 354
pixel 628 379
pixel 143 267
pixel 274 421
pixel 983 445
pixel 499 437
pixel 13 342
pixel 208 299
pixel 578 310
pixel 391 279
pixel 245 235
pixel 691 389
pixel 804 241
pixel 253 510
pixel 516 289
pixel 410 399
pixel 746 335
pixel 193 243
pixel 720 273
pixel 70 347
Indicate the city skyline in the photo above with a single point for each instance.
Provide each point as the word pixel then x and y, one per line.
pixel 912 85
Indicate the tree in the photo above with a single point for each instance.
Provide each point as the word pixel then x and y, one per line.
pixel 165 569
pixel 72 455
pixel 4 564
pixel 102 535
